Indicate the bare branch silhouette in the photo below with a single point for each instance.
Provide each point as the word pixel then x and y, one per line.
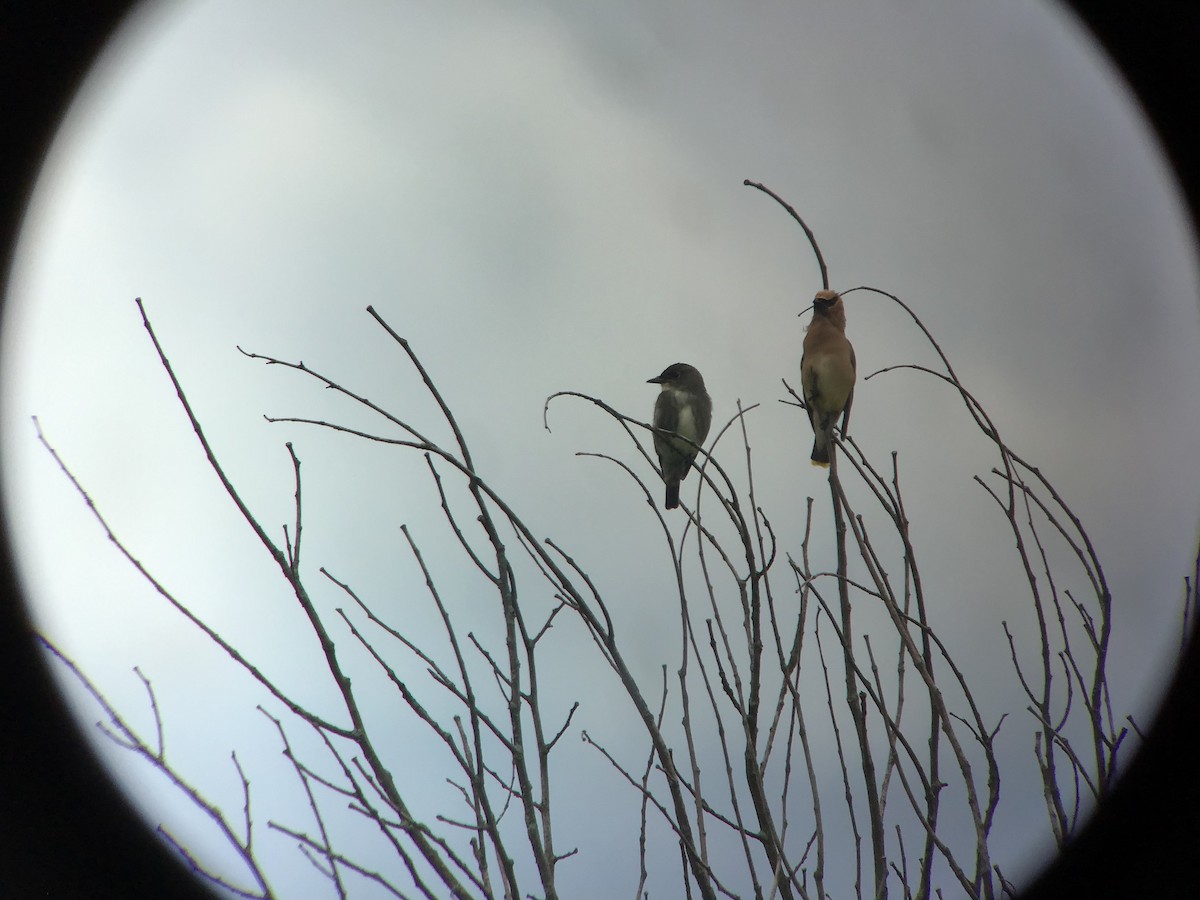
pixel 763 776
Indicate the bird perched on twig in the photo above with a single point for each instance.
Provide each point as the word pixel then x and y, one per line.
pixel 827 372
pixel 684 407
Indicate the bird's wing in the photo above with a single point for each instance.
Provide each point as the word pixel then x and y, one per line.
pixel 666 411
pixel 850 396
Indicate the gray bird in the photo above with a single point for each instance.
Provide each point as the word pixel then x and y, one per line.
pixel 684 407
pixel 827 371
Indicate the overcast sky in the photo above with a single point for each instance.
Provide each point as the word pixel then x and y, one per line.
pixel 550 197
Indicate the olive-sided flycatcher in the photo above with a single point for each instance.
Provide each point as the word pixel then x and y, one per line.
pixel 684 407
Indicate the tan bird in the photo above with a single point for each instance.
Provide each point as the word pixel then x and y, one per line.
pixel 827 372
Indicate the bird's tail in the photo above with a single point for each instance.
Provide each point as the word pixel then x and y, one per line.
pixel 822 445
pixel 672 500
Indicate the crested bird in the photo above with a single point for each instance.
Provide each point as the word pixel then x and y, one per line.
pixel 827 372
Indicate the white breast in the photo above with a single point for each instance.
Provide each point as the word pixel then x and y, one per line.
pixel 687 420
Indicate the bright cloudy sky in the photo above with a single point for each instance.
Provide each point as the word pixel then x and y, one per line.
pixel 549 197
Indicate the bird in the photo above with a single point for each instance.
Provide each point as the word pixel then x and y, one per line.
pixel 684 407
pixel 827 372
